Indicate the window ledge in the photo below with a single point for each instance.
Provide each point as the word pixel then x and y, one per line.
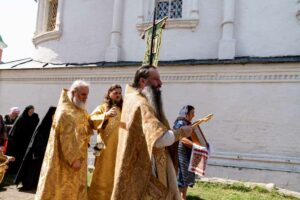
pixel 46 36
pixel 172 23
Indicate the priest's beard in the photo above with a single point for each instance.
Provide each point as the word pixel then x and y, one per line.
pixel 153 96
pixel 79 103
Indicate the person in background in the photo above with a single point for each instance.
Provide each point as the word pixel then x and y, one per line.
pixel 2 133
pixel 10 118
pixel 20 136
pixel 105 119
pixel 29 171
pixel 9 121
pixel 185 178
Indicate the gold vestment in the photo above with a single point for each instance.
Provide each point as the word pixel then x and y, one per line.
pixel 136 155
pixel 68 141
pixel 103 175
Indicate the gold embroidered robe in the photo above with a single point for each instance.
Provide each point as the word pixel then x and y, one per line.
pixel 68 141
pixel 103 175
pixel 136 155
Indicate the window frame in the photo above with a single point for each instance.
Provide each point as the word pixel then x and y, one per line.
pixel 169 9
pixel 189 19
pixel 41 34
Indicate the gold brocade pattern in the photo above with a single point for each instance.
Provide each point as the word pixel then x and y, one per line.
pixel 160 157
pixel 68 141
pixel 103 176
pixel 133 173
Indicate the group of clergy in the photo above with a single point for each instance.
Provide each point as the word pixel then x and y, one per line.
pixel 136 155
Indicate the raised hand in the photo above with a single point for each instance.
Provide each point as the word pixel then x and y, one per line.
pixel 111 112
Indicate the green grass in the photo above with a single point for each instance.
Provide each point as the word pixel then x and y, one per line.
pixel 219 191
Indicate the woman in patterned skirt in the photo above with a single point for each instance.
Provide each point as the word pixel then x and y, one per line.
pixel 185 178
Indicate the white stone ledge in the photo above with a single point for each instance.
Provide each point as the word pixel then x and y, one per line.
pixel 255 161
pixel 46 36
pixel 172 23
pixel 208 78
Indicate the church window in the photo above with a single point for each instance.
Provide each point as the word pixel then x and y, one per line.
pixel 169 8
pixel 183 14
pixel 52 12
pixel 49 26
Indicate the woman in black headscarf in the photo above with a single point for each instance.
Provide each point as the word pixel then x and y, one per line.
pixel 20 135
pixel 29 171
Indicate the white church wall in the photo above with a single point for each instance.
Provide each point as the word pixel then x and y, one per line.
pixel 256 108
pixel 260 28
pixel 267 28
pixel 178 43
pixel 86 27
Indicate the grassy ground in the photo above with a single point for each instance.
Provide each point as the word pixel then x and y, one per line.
pixel 207 191
pixel 218 191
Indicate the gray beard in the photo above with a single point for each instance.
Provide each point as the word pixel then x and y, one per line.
pixel 153 96
pixel 79 103
pixel 76 101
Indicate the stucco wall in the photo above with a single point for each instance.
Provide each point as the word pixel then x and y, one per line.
pixel 256 108
pixel 86 27
pixel 267 28
pixel 260 28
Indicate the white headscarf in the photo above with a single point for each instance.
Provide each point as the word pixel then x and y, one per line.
pixel 15 109
pixel 184 111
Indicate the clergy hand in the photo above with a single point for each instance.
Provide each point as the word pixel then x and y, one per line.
pixel 112 112
pixel 187 130
pixel 76 165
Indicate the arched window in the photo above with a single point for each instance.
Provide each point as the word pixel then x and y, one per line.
pixel 48 21
pixel 52 13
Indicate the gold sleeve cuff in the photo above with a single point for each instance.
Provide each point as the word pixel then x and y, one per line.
pixel 179 134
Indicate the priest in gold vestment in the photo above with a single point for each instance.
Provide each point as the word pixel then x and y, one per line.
pixel 147 148
pixel 105 119
pixel 64 171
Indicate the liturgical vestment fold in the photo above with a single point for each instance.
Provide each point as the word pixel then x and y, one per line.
pixel 68 141
pixel 137 156
pixel 103 175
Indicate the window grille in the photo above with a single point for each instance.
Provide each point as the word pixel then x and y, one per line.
pixel 170 8
pixel 52 15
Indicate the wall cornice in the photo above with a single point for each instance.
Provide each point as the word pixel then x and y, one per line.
pixel 46 36
pixel 258 73
pixel 172 23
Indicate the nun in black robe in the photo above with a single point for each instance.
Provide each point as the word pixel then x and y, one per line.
pixel 30 168
pixel 20 136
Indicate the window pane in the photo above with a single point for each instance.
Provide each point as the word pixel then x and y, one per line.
pixel 52 15
pixel 176 9
pixel 162 9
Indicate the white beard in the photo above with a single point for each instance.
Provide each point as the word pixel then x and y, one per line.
pixel 79 103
